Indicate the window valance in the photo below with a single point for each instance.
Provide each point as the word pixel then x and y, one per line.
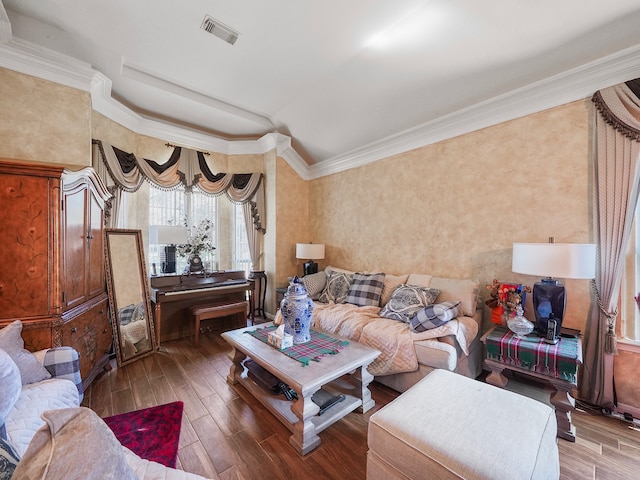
pixel 185 168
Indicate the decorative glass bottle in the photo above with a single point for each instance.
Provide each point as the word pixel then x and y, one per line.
pixel 297 308
pixel 520 325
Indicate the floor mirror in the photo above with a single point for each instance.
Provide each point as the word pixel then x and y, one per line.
pixel 128 288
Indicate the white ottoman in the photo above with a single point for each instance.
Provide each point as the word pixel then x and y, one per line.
pixel 450 426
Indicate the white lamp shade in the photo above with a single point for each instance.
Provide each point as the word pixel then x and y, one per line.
pixel 310 251
pixel 559 260
pixel 168 235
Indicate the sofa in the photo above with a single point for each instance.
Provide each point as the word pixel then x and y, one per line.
pixel 419 322
pixel 43 427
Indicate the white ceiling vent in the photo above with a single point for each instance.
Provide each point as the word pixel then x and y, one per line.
pixel 219 29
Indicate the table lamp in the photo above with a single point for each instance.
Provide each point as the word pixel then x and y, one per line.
pixel 552 261
pixel 310 252
pixel 169 236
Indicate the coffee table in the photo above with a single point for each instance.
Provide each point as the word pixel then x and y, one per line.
pixel 344 373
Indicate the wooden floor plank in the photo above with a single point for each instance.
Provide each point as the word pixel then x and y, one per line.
pixel 226 433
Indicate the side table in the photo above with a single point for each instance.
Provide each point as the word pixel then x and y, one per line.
pixel 260 278
pixel 280 291
pixel 557 364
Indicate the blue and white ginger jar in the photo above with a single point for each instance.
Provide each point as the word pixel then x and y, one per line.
pixel 297 308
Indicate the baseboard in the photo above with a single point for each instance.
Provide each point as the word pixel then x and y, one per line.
pixel 623 408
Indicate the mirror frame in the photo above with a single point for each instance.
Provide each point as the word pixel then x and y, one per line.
pixel 111 290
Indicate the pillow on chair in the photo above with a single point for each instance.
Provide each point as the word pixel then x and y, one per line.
pixel 10 390
pixel 74 443
pixel 11 342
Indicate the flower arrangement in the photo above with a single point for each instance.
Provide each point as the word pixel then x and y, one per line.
pixel 199 240
pixel 508 298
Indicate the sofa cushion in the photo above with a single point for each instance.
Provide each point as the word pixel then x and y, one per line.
pixel 366 289
pixel 419 279
pixel 406 300
pixel 11 387
pixel 315 284
pixel 433 316
pixel 11 342
pixel 330 269
pixel 337 287
pixel 74 443
pixel 452 290
pixel 23 420
pixel 390 284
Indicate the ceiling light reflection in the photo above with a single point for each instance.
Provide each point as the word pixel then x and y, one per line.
pixel 410 30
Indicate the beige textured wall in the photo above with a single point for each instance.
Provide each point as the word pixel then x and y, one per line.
pixel 292 224
pixel 451 209
pixel 455 208
pixel 43 121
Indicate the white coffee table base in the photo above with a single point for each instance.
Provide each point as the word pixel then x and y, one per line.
pixel 345 373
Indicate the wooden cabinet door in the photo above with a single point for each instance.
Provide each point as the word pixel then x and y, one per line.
pixel 95 261
pixel 74 253
pixel 25 254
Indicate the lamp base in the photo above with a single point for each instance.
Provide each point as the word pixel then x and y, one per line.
pixel 549 302
pixel 310 267
pixel 168 262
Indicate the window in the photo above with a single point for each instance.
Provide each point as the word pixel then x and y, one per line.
pixel 630 287
pixel 176 207
pixel 241 256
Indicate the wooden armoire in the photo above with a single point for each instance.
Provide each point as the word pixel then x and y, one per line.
pixel 52 259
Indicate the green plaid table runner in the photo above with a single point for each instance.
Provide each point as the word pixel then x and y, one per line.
pixel 533 353
pixel 319 345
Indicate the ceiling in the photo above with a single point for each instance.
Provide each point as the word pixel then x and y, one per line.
pixel 336 76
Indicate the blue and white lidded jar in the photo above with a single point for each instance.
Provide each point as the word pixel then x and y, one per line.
pixel 297 309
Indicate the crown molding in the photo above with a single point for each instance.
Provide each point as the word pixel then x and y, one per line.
pixel 31 59
pixel 569 86
pixel 5 25
pixel 575 84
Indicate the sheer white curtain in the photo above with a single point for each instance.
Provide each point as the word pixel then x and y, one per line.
pixel 122 171
pixel 616 179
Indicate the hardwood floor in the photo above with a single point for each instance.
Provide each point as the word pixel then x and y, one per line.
pixel 227 434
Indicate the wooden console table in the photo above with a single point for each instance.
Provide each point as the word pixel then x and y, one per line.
pixel 556 364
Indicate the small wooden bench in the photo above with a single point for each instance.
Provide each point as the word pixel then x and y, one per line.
pixel 216 310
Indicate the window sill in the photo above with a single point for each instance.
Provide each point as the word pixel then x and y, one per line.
pixel 626 345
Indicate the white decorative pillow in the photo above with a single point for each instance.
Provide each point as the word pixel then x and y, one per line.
pixel 31 370
pixel 10 386
pixel 74 443
pixel 315 284
pixel 337 288
pixel 406 300
pixel 432 316
pixel 365 289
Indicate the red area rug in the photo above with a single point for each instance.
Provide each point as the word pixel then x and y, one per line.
pixel 152 433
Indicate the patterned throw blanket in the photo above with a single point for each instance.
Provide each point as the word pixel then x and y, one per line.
pixel 532 353
pixel 394 339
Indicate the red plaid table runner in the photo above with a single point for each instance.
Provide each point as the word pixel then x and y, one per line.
pixel 533 353
pixel 319 345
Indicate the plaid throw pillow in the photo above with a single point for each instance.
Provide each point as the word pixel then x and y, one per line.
pixel 406 300
pixel 433 316
pixel 366 289
pixel 126 314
